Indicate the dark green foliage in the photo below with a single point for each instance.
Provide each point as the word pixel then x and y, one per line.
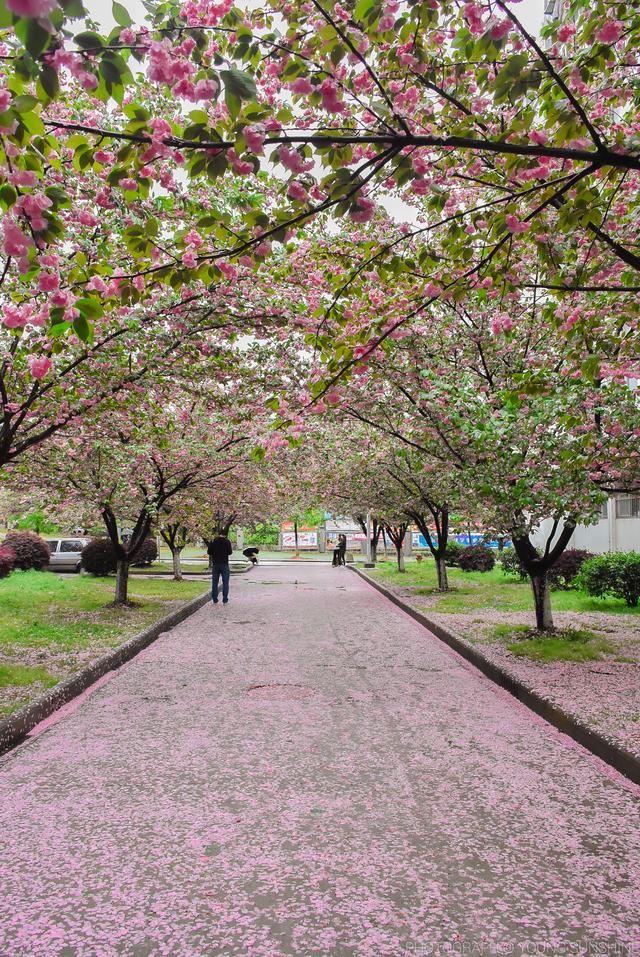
pixel 476 558
pixel 452 553
pixel 616 574
pixel 99 557
pixel 511 565
pixel 31 551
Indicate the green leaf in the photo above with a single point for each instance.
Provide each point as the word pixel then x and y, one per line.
pixel 24 103
pixel 89 40
pixel 49 81
pixel 34 37
pixel 82 328
pixel 89 308
pixel 121 14
pixel 239 84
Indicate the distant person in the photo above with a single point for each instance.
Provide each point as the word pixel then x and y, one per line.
pixel 252 554
pixel 340 551
pixel 218 551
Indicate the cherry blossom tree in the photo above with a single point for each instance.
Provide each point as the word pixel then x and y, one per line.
pixel 129 466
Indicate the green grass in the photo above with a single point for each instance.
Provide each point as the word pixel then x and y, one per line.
pixel 570 644
pixel 39 609
pixel 471 591
pixel 53 618
pixel 163 567
pixel 13 676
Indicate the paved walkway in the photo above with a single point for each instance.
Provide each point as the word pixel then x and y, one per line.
pixel 307 772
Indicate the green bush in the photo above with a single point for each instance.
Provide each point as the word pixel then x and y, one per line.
pixel 262 534
pixel 616 574
pixel 476 558
pixel 511 565
pixel 31 551
pixel 452 553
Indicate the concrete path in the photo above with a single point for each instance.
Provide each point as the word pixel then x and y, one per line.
pixel 307 772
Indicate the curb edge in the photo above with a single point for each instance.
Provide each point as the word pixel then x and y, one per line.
pixel 617 757
pixel 17 726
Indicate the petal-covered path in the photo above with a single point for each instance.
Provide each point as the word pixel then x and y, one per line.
pixel 308 772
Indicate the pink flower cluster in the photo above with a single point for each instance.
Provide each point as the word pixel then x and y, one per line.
pixel 32 8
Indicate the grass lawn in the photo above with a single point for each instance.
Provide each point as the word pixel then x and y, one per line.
pixel 483 596
pixel 474 590
pixel 50 626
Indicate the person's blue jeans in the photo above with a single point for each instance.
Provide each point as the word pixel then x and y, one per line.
pixel 216 572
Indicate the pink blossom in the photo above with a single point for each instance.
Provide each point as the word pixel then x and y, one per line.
pixel 5 100
pixel 302 86
pixel 566 31
pixel 129 184
pixel 514 225
pixel 88 81
pixel 48 282
pixel 97 284
pixel 254 138
pixel 363 210
pixel 39 366
pixel 297 191
pixel 539 137
pixel 15 317
pixel 206 90
pixel 31 8
pixel 292 160
pixel 14 242
pixel 500 29
pixel 610 32
pixel 23 177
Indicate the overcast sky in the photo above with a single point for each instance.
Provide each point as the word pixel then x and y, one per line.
pixel 529 11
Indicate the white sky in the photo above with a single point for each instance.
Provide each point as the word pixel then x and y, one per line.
pixel 529 11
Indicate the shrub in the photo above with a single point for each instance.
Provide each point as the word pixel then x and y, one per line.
pixel 476 558
pixel 99 557
pixel 511 565
pixel 616 574
pixel 31 551
pixel 147 553
pixel 452 553
pixel 562 573
pixel 7 560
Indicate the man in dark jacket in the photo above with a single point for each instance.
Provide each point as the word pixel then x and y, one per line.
pixel 219 550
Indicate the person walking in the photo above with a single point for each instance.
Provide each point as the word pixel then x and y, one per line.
pixel 218 551
pixel 341 551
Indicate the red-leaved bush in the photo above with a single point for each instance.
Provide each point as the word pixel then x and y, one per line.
pixel 7 560
pixel 31 551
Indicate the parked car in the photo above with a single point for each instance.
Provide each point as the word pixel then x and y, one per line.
pixel 65 553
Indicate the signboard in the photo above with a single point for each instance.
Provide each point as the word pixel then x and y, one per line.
pixel 477 538
pixel 305 539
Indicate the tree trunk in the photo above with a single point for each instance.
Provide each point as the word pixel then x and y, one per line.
pixel 177 567
pixel 122 582
pixel 542 602
pixel 400 557
pixel 441 568
pixel 374 550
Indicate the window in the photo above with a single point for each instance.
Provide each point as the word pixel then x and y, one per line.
pixel 53 544
pixel 628 506
pixel 71 546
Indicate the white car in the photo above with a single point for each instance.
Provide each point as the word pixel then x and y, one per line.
pixel 65 553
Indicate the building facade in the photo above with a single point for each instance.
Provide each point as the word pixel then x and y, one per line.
pixel 617 529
